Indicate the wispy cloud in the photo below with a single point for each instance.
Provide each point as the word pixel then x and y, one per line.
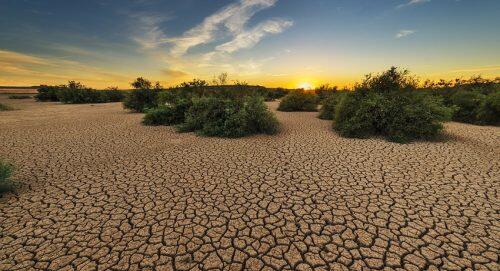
pixel 16 68
pixel 250 38
pixel 230 21
pixel 413 2
pixel 174 73
pixel 404 33
pixel 149 33
pixel 478 69
pixel 232 18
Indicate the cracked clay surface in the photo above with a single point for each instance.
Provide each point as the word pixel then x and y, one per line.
pixel 99 191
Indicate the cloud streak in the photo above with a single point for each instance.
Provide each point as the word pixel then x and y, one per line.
pixel 412 3
pixel 247 39
pixel 232 18
pixel 230 21
pixel 404 33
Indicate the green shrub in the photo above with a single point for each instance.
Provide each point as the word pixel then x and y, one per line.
pixel 388 105
pixel 76 93
pixel 329 104
pixel 299 101
pixel 4 107
pixel 6 170
pixel 48 93
pixel 467 105
pixel 143 97
pixel 215 116
pixel 325 91
pixel 167 114
pixel 489 111
pixel 19 97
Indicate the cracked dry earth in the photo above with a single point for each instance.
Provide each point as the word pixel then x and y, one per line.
pixel 99 191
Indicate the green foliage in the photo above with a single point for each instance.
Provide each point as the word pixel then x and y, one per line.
pixel 167 114
pixel 215 116
pixel 199 88
pixel 143 97
pixel 6 170
pixel 299 101
pixel 387 105
pixel 76 93
pixel 48 93
pixel 329 104
pixel 4 107
pixel 467 105
pixel 19 97
pixel 325 91
pixel 489 111
pixel 473 99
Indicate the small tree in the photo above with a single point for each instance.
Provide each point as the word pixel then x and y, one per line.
pixel 221 79
pixel 143 96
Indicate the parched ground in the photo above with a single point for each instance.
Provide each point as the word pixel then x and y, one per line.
pixel 100 191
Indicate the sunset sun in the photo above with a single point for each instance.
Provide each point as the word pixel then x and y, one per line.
pixel 305 85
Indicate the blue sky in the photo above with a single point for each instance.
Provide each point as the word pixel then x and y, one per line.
pixel 269 42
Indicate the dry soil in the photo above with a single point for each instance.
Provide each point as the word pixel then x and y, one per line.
pixel 100 191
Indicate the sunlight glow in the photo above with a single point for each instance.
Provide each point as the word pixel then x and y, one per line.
pixel 306 86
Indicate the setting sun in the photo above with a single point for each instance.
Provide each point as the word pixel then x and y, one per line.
pixel 306 86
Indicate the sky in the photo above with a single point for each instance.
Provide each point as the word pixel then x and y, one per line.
pixel 287 43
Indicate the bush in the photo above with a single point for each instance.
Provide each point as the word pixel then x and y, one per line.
pixel 48 93
pixel 4 107
pixel 299 101
pixel 325 91
pixel 19 97
pixel 213 116
pixel 76 93
pixel 388 105
pixel 329 104
pixel 6 170
pixel 467 104
pixel 143 96
pixel 489 111
pixel 167 114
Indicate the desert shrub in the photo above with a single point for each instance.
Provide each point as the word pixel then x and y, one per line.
pixel 328 105
pixel 76 93
pixel 388 105
pixel 19 97
pixel 111 95
pixel 467 104
pixel 4 107
pixel 276 93
pixel 299 101
pixel 215 116
pixel 5 173
pixel 489 111
pixel 325 91
pixel 48 93
pixel 167 114
pixel 143 97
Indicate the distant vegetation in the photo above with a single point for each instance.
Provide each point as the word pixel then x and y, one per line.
pixel 76 93
pixel 6 170
pixel 476 100
pixel 225 111
pixel 4 107
pixel 19 97
pixel 299 100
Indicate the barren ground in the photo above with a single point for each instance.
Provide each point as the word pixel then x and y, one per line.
pixel 100 191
